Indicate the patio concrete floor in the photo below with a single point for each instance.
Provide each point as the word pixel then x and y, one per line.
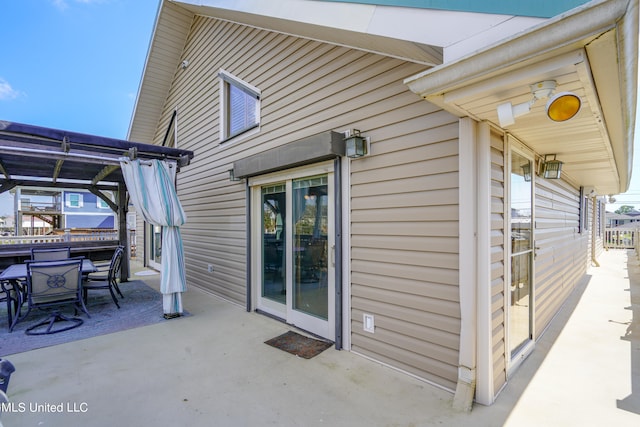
pixel 212 369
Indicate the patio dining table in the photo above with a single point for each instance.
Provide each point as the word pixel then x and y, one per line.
pixel 12 276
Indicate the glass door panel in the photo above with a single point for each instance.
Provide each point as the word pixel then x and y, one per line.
pixel 520 317
pixel 310 223
pixel 274 208
pixel 155 245
pixel 521 298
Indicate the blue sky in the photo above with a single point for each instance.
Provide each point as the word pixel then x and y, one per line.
pixel 76 65
pixel 73 64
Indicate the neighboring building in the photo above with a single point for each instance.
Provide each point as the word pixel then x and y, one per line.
pixel 443 252
pixel 48 210
pixel 85 210
pixel 614 220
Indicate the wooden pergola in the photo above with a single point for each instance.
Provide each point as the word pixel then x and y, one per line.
pixel 34 156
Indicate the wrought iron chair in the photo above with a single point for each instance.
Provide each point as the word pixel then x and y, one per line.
pixel 54 254
pixel 110 281
pixel 9 295
pixel 48 254
pixel 53 284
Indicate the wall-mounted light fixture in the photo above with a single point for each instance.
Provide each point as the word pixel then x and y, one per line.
pixel 560 107
pixel 355 144
pixel 552 168
pixel 232 176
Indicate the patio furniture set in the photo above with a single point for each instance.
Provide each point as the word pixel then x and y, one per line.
pixel 52 279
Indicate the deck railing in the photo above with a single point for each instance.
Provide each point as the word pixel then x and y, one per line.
pixel 619 238
pixel 66 237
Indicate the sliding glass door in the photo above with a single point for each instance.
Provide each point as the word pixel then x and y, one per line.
pixel 294 216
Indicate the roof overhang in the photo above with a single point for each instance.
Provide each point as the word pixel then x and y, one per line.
pixel 420 35
pixel 43 157
pixel 339 26
pixel 591 51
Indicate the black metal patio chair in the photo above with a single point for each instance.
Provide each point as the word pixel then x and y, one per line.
pixel 109 281
pixel 53 254
pixel 9 296
pixel 52 284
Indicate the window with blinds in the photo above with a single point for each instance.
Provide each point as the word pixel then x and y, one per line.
pixel 239 106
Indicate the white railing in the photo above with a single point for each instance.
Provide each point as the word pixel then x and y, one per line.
pixel 619 238
pixel 26 240
pixel 66 237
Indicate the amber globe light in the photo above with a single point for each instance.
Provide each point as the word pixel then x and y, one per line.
pixel 563 106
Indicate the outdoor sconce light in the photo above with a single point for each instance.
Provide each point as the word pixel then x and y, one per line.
pixel 355 144
pixel 560 107
pixel 526 171
pixel 232 177
pixel 552 168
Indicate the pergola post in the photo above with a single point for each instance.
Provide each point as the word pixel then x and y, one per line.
pixel 122 231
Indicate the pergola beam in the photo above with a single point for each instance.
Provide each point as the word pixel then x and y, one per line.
pixel 49 184
pixel 104 173
pixel 57 169
pixel 108 201
pixel 7 186
pixel 3 169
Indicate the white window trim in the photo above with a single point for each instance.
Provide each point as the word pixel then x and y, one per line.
pixel 67 201
pixel 101 204
pixel 227 78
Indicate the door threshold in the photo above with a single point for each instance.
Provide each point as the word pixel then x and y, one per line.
pixel 293 327
pixel 270 315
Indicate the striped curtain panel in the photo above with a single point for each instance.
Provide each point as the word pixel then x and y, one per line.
pixel 152 191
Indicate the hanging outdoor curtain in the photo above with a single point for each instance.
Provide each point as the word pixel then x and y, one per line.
pixel 152 191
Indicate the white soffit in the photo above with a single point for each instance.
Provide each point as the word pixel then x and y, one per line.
pixel 459 33
pixel 591 51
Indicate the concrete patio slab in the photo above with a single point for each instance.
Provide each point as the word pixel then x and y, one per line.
pixel 213 368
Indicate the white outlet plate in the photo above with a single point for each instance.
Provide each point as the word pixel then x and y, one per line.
pixel 368 323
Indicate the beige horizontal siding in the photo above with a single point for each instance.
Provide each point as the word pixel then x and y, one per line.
pixel 404 246
pixel 404 195
pixel 498 299
pixel 562 258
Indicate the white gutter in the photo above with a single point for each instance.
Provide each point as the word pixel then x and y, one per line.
pixel 467 247
pixel 576 25
pixel 483 345
pixel 629 57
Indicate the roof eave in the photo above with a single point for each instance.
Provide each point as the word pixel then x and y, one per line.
pixel 574 29
pixel 160 66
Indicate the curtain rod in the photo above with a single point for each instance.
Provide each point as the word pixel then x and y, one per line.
pixel 48 154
